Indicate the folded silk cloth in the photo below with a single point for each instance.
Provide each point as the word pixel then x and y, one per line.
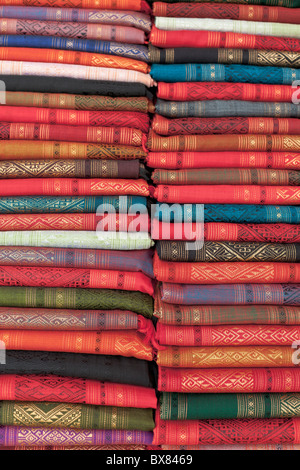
pixel 75 57
pixel 238 380
pixel 59 132
pixel 230 356
pixel 104 447
pixel 226 176
pixel 135 5
pixel 66 390
pixel 83 222
pixel 177 251
pixel 221 125
pixel 220 231
pixel 193 91
pixel 215 273
pixel 131 51
pixel 228 25
pixel 234 294
pixel 209 73
pixel 227 431
pixel 233 335
pixel 16 114
pixel 221 447
pixel 224 11
pixel 230 194
pixel 118 33
pixel 80 239
pixel 129 343
pixel 75 71
pixel 204 39
pixel 58 150
pixel 76 298
pixel 183 55
pixel 74 416
pixel 44 84
pixel 129 169
pixel 234 159
pixel 172 314
pixel 82 204
pixel 131 261
pixel 79 277
pixel 102 368
pixel 78 102
pixel 232 142
pixel 182 406
pixel 124 18
pixel 66 319
pixel 37 436
pixel 221 109
pixel 238 213
pixel 70 187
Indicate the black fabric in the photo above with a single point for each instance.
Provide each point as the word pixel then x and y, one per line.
pixel 116 369
pixel 40 84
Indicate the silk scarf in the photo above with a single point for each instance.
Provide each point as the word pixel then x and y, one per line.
pixel 181 160
pixel 124 18
pixel 37 436
pixel 237 380
pixel 233 335
pixel 225 11
pixel 134 261
pixel 123 34
pixel 74 416
pixel 80 239
pixel 101 368
pixel 128 344
pixel 193 91
pixel 135 5
pixel 172 314
pixel 80 102
pixel 204 39
pixel 131 51
pixel 225 194
pixel 114 169
pixel 176 251
pixel 30 149
pixel 183 406
pixel 235 294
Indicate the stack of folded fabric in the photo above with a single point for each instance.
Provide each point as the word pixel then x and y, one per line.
pixel 76 274
pixel 226 135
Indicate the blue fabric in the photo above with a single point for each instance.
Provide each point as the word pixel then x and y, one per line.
pixel 86 45
pixel 223 73
pixel 234 294
pixel 234 213
pixel 72 204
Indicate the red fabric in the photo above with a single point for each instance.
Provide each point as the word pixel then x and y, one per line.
pixel 226 272
pixel 74 117
pixel 75 277
pixel 237 380
pixel 73 187
pixel 74 390
pixel 179 160
pixel 198 91
pixel 217 231
pixel 228 194
pixel 165 39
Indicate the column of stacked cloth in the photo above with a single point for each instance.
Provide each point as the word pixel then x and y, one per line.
pixel 226 135
pixel 76 272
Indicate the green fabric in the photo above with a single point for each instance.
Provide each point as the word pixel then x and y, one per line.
pixel 78 239
pixel 82 299
pixel 77 416
pixel 181 406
